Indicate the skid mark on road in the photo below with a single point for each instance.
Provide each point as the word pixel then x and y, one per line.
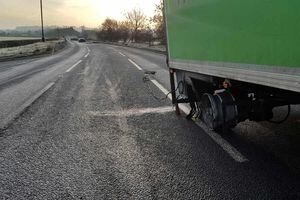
pixel 113 89
pixel 86 70
pixel 126 152
pixel 133 112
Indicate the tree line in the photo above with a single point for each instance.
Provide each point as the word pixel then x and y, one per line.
pixel 135 28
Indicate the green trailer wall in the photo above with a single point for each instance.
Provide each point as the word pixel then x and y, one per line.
pixel 258 32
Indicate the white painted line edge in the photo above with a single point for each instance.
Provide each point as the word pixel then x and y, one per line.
pixel 70 69
pixel 122 54
pixel 164 90
pixel 29 102
pixel 87 55
pixel 233 152
pixel 138 67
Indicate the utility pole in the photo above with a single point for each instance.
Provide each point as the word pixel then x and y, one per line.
pixel 42 20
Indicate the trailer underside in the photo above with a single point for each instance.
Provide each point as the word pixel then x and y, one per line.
pixel 223 108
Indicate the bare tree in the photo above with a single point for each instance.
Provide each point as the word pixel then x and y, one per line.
pixel 158 20
pixel 137 21
pixel 136 27
pixel 124 30
pixel 109 24
pixel 109 30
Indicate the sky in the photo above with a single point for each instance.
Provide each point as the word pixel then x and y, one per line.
pixel 90 13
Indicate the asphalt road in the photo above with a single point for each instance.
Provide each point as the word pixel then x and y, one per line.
pixel 91 129
pixel 21 80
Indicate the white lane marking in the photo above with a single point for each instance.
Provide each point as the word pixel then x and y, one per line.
pixel 122 54
pixel 88 49
pixel 138 67
pixel 87 55
pixel 47 87
pixel 13 115
pixel 70 69
pixel 164 90
pixel 233 152
pixel 133 112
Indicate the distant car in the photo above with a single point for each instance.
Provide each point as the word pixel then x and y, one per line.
pixel 81 40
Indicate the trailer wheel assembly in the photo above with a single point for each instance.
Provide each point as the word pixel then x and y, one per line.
pixel 219 111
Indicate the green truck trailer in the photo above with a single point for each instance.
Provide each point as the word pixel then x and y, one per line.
pixel 234 60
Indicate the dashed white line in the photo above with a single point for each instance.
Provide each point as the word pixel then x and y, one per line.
pixel 138 67
pixel 88 49
pixel 122 54
pixel 70 69
pixel 233 152
pixel 87 55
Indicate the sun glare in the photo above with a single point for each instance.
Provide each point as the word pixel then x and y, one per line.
pixel 90 13
pixel 117 8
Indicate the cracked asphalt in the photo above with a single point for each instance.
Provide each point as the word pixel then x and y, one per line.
pixel 97 134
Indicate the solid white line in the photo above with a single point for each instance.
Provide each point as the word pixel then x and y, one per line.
pixel 138 67
pixel 164 90
pixel 87 55
pixel 233 152
pixel 74 66
pixel 4 123
pixel 122 54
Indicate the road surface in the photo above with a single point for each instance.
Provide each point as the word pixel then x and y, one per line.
pixel 82 124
